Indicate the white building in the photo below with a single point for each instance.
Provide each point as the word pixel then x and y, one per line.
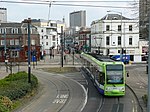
pixel 50 34
pixel 3 15
pixel 115 33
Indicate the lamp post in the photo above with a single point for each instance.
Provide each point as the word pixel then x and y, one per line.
pixel 122 49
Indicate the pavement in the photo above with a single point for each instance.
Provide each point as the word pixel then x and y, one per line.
pixel 138 82
pixel 46 62
pixel 137 79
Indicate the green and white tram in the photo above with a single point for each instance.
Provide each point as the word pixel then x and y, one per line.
pixel 107 74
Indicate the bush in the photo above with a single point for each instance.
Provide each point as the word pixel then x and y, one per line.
pixel 5 104
pixel 13 87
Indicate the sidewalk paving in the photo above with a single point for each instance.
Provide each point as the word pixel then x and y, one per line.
pixel 46 62
pixel 138 81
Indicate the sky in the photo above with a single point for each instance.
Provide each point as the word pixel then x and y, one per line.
pixel 17 12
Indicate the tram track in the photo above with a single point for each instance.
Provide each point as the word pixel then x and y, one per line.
pixel 101 104
pixel 63 91
pixel 66 97
pixel 136 97
pixel 118 105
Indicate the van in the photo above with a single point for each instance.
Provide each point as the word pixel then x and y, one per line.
pixel 125 58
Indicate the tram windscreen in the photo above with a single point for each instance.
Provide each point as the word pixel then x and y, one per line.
pixel 114 74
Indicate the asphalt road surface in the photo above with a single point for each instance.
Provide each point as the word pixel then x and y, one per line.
pixel 58 94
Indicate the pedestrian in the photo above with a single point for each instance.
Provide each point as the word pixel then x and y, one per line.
pixel 53 52
pixel 53 55
pixel 50 53
pixel 65 58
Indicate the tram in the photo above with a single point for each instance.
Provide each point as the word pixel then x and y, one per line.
pixel 108 75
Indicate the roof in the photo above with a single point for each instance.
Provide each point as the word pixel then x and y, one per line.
pixel 101 57
pixel 11 24
pixel 114 17
pixel 39 20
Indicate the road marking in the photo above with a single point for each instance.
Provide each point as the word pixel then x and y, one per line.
pixel 61 99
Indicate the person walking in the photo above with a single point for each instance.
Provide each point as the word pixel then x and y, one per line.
pixel 65 58
pixel 50 53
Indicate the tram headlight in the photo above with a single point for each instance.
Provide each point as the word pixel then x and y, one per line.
pixel 122 89
pixel 107 88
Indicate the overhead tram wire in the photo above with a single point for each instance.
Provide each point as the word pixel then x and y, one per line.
pixel 44 3
pixel 79 1
pixel 108 1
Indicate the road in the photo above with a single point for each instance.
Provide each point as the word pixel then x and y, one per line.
pixel 58 94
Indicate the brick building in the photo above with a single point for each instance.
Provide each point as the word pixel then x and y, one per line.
pixel 14 42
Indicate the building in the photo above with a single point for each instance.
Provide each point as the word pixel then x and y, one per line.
pixel 3 15
pixel 114 34
pixel 84 40
pixel 144 18
pixel 50 34
pixel 78 18
pixel 14 42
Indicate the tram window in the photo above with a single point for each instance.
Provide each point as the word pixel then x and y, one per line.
pixel 101 78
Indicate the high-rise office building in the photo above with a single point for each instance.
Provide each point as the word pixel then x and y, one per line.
pixel 144 18
pixel 78 18
pixel 3 15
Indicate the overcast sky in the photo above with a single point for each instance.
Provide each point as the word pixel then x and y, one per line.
pixel 16 12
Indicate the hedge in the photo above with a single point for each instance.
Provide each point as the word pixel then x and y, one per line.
pixel 15 86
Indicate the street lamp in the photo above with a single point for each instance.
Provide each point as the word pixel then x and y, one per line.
pixel 121 50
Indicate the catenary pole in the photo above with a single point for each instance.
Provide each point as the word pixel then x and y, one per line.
pixel 29 52
pixel 148 105
pixel 62 47
pixel 28 21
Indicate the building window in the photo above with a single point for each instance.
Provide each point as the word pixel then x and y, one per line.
pixel 14 54
pixel 130 27
pixel 14 30
pixel 2 42
pixel 46 43
pixel 53 38
pixel 42 37
pixel 2 30
pixel 119 40
pixel 118 51
pixel 32 42
pixel 54 44
pixel 107 40
pixel 130 41
pixel 17 42
pixel 107 27
pixel 11 42
pixel 46 37
pixel 119 27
